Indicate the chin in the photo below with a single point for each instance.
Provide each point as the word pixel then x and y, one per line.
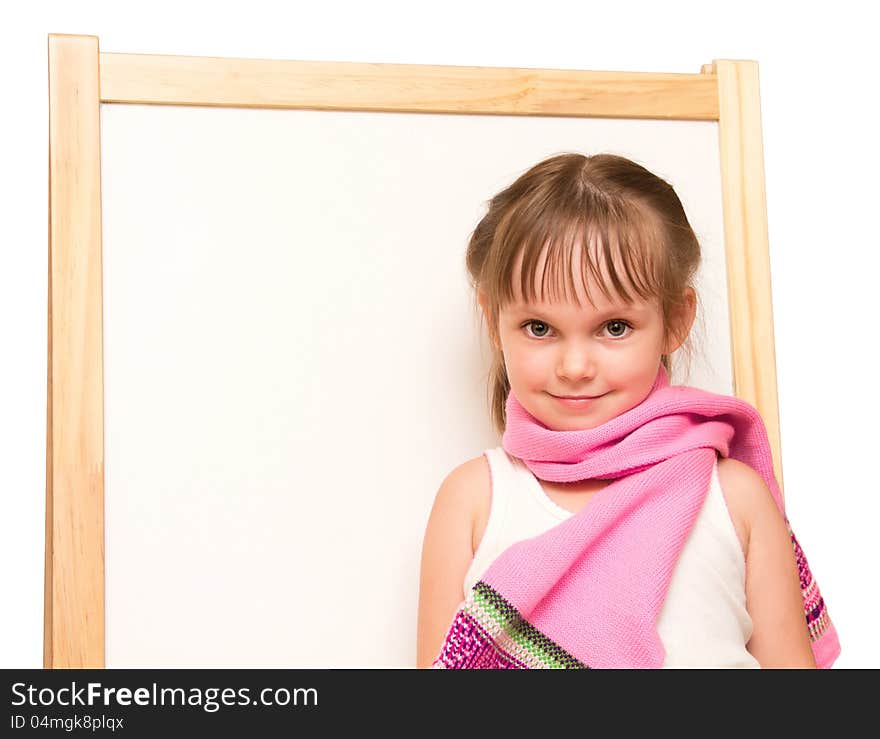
pixel 574 424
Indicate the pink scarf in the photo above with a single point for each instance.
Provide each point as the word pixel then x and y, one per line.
pixel 588 592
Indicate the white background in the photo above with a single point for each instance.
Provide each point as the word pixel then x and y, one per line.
pixel 821 155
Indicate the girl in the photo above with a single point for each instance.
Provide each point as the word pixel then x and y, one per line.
pixel 624 522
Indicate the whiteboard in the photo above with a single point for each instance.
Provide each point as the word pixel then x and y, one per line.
pixel 293 361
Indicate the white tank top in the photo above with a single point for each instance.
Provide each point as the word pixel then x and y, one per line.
pixel 703 622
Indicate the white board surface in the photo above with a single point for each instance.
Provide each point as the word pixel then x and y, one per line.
pixel 292 364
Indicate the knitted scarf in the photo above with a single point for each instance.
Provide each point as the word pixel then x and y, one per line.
pixel 588 592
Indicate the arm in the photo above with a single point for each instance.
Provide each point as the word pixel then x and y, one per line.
pixel 773 591
pixel 447 552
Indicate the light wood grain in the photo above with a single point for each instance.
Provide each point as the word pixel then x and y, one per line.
pixel 747 244
pixel 263 83
pixel 81 78
pixel 74 597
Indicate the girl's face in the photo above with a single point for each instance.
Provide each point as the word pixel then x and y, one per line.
pixel 607 353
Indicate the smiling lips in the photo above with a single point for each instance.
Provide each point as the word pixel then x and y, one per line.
pixel 577 401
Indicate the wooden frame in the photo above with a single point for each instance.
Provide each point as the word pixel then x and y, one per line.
pixel 81 78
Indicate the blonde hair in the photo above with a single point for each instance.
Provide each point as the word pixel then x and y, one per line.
pixel 570 201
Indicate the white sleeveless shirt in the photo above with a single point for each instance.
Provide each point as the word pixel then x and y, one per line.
pixel 703 621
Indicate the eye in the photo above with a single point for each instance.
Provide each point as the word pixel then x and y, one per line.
pixel 617 328
pixel 542 327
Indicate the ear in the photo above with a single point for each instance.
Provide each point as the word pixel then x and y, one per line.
pixel 682 321
pixel 483 300
pixel 490 321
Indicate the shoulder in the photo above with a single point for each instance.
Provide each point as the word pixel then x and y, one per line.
pixel 446 554
pixel 463 500
pixel 774 598
pixel 468 488
pixel 467 473
pixel 748 498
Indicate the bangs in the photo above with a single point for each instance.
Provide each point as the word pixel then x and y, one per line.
pixel 622 259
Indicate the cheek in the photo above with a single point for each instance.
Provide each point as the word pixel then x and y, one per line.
pixel 633 367
pixel 528 367
pixel 623 373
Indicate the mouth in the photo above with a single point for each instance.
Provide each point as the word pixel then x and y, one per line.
pixel 576 402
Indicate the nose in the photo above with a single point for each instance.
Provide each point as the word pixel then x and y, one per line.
pixel 577 362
